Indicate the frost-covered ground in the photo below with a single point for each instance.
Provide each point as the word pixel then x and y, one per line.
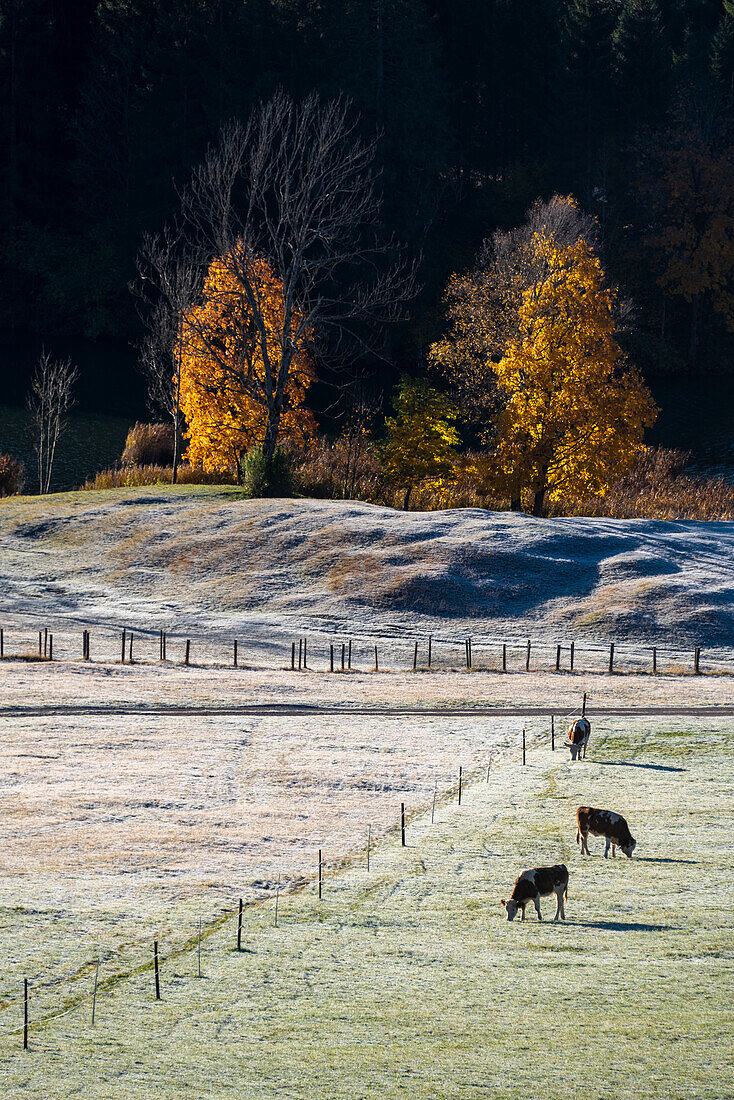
pixel 204 562
pixel 408 981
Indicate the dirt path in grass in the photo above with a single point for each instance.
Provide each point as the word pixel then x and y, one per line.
pixel 285 710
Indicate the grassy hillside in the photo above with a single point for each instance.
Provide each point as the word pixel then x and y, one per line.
pixel 205 558
pixel 409 981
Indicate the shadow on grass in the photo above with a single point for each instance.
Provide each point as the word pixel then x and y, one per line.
pixel 621 926
pixel 630 764
pixel 665 859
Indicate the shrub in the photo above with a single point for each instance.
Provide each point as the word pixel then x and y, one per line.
pixel 267 479
pixel 131 476
pixel 12 476
pixel 149 445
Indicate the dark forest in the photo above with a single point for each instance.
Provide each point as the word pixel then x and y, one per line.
pixel 481 108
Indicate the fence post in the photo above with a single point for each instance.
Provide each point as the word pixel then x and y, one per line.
pixel 165 640
pixel 376 665
pixel 320 877
pixel 2 642
pixel 349 655
pixel 304 654
pixel 433 807
pixel 198 951
pixel 51 648
pixel 124 639
pixel 94 995
pixel 40 643
pixel 239 927
pixel 523 745
pixel 25 1014
pixel 155 964
pixel 558 658
pixel 460 778
pixel 300 652
pixel 235 653
pixel 571 661
pixel 553 735
pixel 654 660
pixel 527 658
pixel 611 657
pixel 45 641
pixel 130 649
pixel 344 654
pixel 415 657
pixel 430 643
pixel 470 656
pixel 402 824
pixel 697 660
pixel 504 657
pixel 293 655
pixel 369 838
pixel 331 658
pixel 583 706
pixel 188 651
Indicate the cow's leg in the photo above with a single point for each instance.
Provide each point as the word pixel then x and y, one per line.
pixel 537 906
pixel 614 850
pixel 585 744
pixel 607 842
pixel 585 844
pixel 523 912
pixel 559 904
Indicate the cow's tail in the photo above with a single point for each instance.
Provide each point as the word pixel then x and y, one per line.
pixel 578 835
pixel 565 894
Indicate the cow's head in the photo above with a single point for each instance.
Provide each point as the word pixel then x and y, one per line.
pixel 628 849
pixel 511 907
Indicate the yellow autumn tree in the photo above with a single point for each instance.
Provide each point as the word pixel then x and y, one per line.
pixel 419 447
pixel 225 387
pixel 573 414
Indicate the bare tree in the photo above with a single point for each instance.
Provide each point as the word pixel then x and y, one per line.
pixel 296 187
pixel 50 400
pixel 168 280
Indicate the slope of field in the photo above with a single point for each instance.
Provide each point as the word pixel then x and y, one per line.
pixel 407 980
pixel 200 559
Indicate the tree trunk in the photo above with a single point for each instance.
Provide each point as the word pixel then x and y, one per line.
pixel 539 501
pixel 515 504
pixel 408 491
pixel 694 330
pixel 174 472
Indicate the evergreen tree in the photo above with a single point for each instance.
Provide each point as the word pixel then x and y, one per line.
pixel 643 63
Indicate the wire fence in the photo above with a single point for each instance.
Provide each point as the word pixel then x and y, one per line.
pixel 101 975
pixel 336 653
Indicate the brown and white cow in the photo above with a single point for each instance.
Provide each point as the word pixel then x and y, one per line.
pixel 535 884
pixel 606 823
pixel 578 737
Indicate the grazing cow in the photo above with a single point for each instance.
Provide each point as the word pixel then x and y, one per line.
pixel 578 737
pixel 606 823
pixel 536 884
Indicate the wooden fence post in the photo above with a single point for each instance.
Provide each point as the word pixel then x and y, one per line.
pixel 402 824
pixel 523 745
pixel 697 660
pixel 430 644
pixel 461 772
pixel 504 657
pixel 235 653
pixel 94 994
pixel 344 655
pixel 293 655
pixel 188 651
pixel 239 927
pixel 415 657
pixel 155 965
pixel 349 655
pixel 124 639
pixel 376 665
pixel 583 706
pixel 25 1014
pixel 2 642
pixel 553 735
pixel 369 838
pixel 130 649
pixel 331 658
pixel 277 898
pixel 320 874
pixel 571 661
pixel 527 658
pixel 466 649
pixel 654 660
pixel 51 647
pixel 305 665
pixel 40 643
pixel 611 657
pixel 558 658
pixel 300 651
pixel 470 656
pixel 165 640
pixel 45 641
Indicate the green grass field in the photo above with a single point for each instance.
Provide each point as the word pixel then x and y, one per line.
pixel 409 981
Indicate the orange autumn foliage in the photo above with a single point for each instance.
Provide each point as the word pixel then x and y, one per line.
pixel 224 384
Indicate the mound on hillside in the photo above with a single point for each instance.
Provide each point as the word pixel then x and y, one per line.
pixel 210 557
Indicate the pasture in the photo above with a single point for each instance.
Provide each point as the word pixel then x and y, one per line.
pixel 406 980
